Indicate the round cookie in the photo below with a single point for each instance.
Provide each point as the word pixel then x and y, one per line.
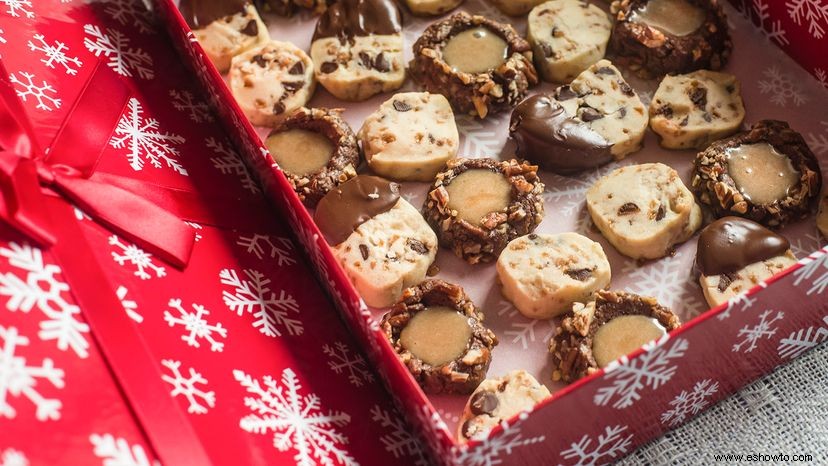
pixel 410 137
pixel 822 216
pixel 358 49
pixel 544 274
pixel 516 7
pixel 692 110
pixel 498 400
pixel 595 334
pixel 481 66
pixel 644 210
pixel 316 150
pixel 477 206
pixel 438 334
pixel 767 174
pixel 657 37
pixel 272 80
pixel 432 7
pixel 735 254
pixel 567 37
pixel 224 28
pixel 380 240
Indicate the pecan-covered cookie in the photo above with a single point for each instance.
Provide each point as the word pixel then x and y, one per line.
pixel 438 334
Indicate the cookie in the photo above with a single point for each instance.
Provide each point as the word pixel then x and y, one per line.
pixel 516 7
pixel 692 110
pixel 567 37
pixel 735 254
pixel 272 80
pixel 481 66
pixel 380 240
pixel 595 334
pixel 224 29
pixel 358 49
pixel 438 334
pixel 644 210
pixel 544 274
pixel 410 137
pixel 432 7
pixel 477 206
pixel 657 37
pixel 288 7
pixel 822 216
pixel 498 400
pixel 767 174
pixel 316 150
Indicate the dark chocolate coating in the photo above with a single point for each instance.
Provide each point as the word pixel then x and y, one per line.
pixel 732 243
pixel 359 18
pixel 200 13
pixel 353 203
pixel 548 137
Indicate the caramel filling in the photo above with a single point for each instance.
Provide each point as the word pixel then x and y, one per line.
pixel 300 152
pixel 475 51
pixel 761 173
pixel 623 335
pixel 477 193
pixel 437 335
pixel 675 17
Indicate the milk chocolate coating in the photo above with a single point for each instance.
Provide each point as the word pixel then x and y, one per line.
pixel 200 13
pixel 353 203
pixel 732 243
pixel 548 137
pixel 359 18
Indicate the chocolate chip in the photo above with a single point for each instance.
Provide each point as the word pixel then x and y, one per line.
pixel 622 112
pixel 417 246
pixel 366 60
pixel 605 70
pixel 251 28
pixel 401 106
pixel 467 432
pixel 665 110
pixel 581 275
pixel 328 67
pixel 547 50
pixel 297 68
pixel 259 60
pixel 626 89
pixel 483 403
pixel 628 208
pixel 566 93
pixel 381 63
pixel 685 121
pixel 278 107
pixel 660 214
pixel 363 249
pixel 292 86
pixel 590 114
pixel 707 117
pixel 699 97
pixel 730 89
pixel 725 280
pixel 533 236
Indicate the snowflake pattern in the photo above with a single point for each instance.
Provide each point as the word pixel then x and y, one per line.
pixel 813 12
pixel 228 162
pixel 477 140
pixel 809 273
pixel 185 102
pixel 689 403
pixel 26 87
pixel 297 421
pixel 524 331
pixel 750 336
pixel 133 255
pixel 16 8
pixel 116 451
pixel 569 192
pixel 341 359
pixel 398 440
pixel 610 445
pixel 55 54
pixel 653 368
pixel 130 306
pixel 818 142
pixel 758 12
pixel 800 341
pixel 114 45
pixel 740 302
pixel 669 281
pixel 12 457
pixel 254 296
pixel 261 245
pixel 131 13
pixel 18 379
pixel 196 325
pixel 199 399
pixel 494 449
pixel 781 87
pixel 145 141
pixel 822 77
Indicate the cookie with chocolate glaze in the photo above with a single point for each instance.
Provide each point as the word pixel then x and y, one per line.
pixel 431 7
pixel 288 7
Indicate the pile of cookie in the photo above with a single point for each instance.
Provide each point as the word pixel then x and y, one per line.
pixel 745 183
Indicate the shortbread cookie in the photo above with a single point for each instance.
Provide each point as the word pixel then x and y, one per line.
pixel 432 7
pixel 272 80
pixel 224 29
pixel 822 216
pixel 567 37
pixel 644 210
pixel 595 334
pixel 477 206
pixel 735 254
pixel 657 37
pixel 516 7
pixel 498 400
pixel 381 241
pixel 410 137
pixel 544 274
pixel 358 49
pixel 316 150
pixel 692 110
pixel 481 66
pixel 438 333
pixel 767 174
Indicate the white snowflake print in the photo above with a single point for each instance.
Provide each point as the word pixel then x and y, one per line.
pixel 813 12
pixel 297 421
pixel 568 192
pixel 26 87
pixel 806 243
pixel 800 341
pixel 667 280
pixel 524 331
pixel 769 27
pixel 612 444
pixel 781 87
pixel 653 368
pixel 822 77
pixel 18 379
pixel 341 359
pixel 261 245
pixel 130 306
pixel 689 403
pixel 814 272
pixel 145 141
pixel 55 54
pixel 12 457
pixel 185 102
pixel 116 451
pixel 196 325
pixel 740 302
pixel 133 255
pixel 131 13
pixel 398 440
pixel 199 399
pixel 228 162
pixel 198 228
pixel 15 8
pixel 818 142
pixel 495 449
pixel 114 45
pixel 478 139
pixel 750 336
pixel 254 296
pixel 41 288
